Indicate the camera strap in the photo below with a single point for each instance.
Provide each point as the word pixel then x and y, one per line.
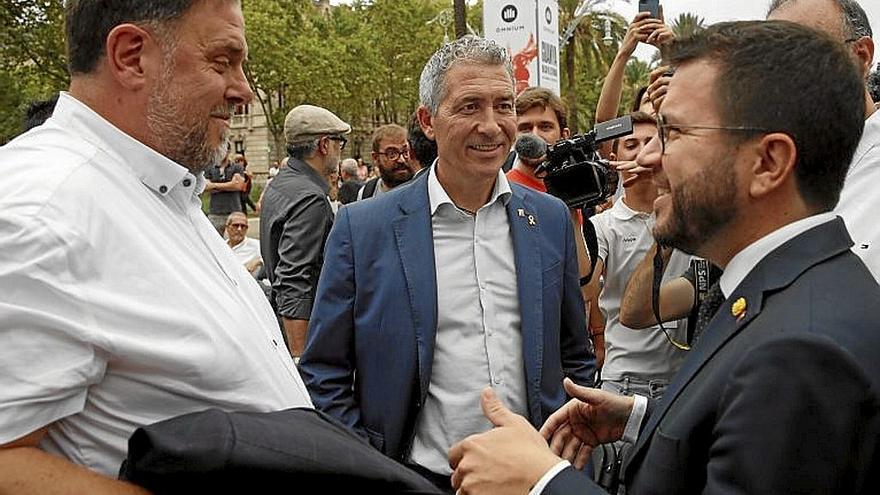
pixel 655 295
pixel 702 283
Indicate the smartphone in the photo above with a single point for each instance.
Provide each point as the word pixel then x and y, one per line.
pixel 652 6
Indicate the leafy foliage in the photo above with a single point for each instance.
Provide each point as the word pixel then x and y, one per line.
pixel 362 60
pixel 32 61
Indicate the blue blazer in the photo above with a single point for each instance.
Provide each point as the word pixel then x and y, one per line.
pixel 371 336
pixel 784 398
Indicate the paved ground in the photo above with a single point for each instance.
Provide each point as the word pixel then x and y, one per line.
pixel 254 227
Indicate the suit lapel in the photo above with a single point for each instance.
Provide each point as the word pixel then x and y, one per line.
pixel 777 270
pixel 414 238
pixel 527 254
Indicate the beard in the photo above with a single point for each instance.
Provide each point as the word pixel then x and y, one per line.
pixel 182 136
pixel 701 207
pixel 396 175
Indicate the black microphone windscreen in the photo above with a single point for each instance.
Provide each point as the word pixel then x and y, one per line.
pixel 530 146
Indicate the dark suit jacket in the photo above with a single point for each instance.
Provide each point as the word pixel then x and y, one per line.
pixel 783 400
pixel 300 450
pixel 372 331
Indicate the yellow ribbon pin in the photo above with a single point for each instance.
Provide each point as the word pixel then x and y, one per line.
pixel 738 308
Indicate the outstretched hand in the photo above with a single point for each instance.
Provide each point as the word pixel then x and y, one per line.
pixel 592 417
pixel 634 169
pixel 658 85
pixel 509 458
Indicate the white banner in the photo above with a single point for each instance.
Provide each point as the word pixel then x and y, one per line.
pixel 511 24
pixel 548 45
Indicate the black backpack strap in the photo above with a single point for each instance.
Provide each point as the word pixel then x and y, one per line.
pixel 370 188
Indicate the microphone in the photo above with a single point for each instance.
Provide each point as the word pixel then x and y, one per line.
pixel 530 149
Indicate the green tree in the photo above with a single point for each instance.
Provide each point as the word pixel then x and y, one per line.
pixel 687 24
pixel 33 65
pixel 586 56
pixel 362 60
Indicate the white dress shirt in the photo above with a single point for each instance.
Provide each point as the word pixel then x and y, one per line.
pixel 859 201
pixel 478 341
pixel 121 306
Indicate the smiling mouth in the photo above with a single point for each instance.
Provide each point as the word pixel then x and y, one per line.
pixel 484 147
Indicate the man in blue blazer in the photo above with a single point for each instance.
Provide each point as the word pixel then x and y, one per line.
pixel 454 282
pixel 781 391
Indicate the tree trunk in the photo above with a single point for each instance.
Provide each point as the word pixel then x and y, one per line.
pixel 460 10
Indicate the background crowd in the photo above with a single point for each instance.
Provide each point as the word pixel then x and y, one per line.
pixel 446 310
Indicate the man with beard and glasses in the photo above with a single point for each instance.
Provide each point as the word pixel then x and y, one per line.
pixel 845 21
pixel 296 216
pixel 391 156
pixel 781 393
pixel 453 282
pixel 121 305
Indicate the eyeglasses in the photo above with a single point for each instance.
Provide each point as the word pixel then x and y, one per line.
pixel 342 141
pixel 237 226
pixel 394 153
pixel 663 129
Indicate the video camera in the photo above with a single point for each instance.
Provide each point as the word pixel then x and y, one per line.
pixel 573 170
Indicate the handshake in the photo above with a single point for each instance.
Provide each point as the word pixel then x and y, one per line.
pixel 513 456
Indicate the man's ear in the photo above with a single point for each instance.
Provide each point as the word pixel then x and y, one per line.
pixel 324 145
pixel 863 48
pixel 774 164
pixel 426 122
pixel 134 57
pixel 565 134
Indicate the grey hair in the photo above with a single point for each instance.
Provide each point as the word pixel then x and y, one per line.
pixel 467 49
pixel 302 150
pixel 349 166
pixel 855 20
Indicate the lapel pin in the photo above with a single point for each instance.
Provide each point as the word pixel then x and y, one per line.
pixel 532 220
pixel 521 212
pixel 738 308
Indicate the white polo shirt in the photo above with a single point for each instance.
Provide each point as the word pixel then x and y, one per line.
pixel 624 237
pixel 120 305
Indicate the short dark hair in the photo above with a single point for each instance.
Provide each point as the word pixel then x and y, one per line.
pixel 855 20
pixel 534 97
pixel 760 64
pixel 643 118
pixel 88 22
pixel 391 131
pixel 37 112
pixel 637 102
pixel 423 149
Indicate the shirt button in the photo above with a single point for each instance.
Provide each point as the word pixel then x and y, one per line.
pixel 497 381
pixel 187 182
pixel 163 189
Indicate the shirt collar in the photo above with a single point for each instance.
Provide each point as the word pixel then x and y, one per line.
pixel 622 211
pixel 304 168
pixel 155 170
pixel 744 261
pixel 437 194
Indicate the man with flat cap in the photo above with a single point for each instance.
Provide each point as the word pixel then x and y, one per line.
pixel 296 216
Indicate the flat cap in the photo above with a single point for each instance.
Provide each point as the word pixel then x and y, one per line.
pixel 307 122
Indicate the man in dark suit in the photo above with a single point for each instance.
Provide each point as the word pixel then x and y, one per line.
pixel 456 281
pixel 781 392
